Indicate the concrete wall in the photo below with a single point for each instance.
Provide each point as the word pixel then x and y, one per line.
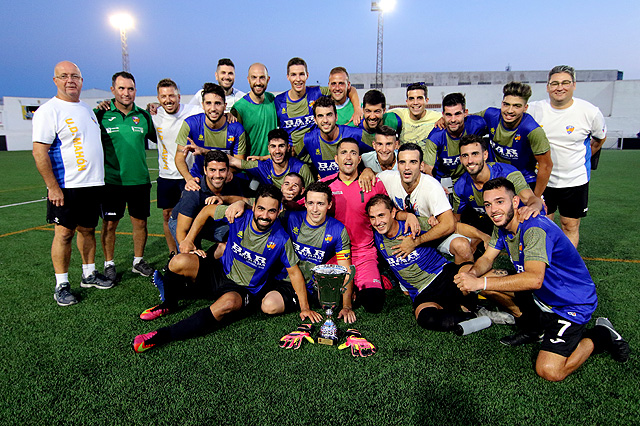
pixel 18 129
pixel 394 80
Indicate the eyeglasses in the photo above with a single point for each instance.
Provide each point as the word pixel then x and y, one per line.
pixel 408 207
pixel 555 84
pixel 72 77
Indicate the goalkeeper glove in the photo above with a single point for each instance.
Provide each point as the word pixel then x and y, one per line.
pixel 293 340
pixel 359 345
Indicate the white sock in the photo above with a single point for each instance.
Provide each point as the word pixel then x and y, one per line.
pixel 61 279
pixel 109 263
pixel 88 269
pixel 136 260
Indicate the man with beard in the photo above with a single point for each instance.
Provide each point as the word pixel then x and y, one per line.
pixel 374 105
pixel 215 190
pixel 517 139
pixel 256 111
pixel 468 205
pixel 240 281
pixel 295 106
pixel 320 143
pixel 548 264
pixel 225 76
pixel 208 130
pixel 443 152
pixel 279 164
pixel 167 121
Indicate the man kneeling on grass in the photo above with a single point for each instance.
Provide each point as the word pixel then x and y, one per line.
pixel 548 264
pixel 423 272
pixel 238 281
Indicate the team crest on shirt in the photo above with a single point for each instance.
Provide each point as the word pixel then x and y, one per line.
pixel 136 120
pixel 328 238
pixel 520 247
pixel 517 138
pixel 573 314
pixel 271 245
pixel 295 230
pixel 311 104
pixel 570 129
pixel 231 138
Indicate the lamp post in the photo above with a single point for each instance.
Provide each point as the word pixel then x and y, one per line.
pixel 380 7
pixel 123 22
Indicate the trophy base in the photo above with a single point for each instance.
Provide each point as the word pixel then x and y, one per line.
pixel 327 341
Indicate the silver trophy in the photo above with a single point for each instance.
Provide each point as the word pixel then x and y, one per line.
pixel 330 283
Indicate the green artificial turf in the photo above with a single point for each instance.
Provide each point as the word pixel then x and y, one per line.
pixel 74 365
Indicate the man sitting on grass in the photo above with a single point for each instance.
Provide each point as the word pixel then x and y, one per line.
pixel 424 273
pixel 564 293
pixel 239 281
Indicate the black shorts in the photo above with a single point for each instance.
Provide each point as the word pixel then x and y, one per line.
pixel 212 283
pixel 169 192
pixel 135 197
pixel 481 222
pixel 571 202
pixel 81 208
pixel 445 292
pixel 289 296
pixel 561 336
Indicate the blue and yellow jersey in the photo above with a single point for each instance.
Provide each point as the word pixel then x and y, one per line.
pixel 316 245
pixel 519 146
pixel 251 256
pixel 264 172
pixel 230 139
pixel 296 117
pixel 443 151
pixel 567 289
pixel 416 271
pixel 467 195
pixel 322 153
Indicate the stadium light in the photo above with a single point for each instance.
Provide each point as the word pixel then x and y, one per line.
pixel 123 22
pixel 381 7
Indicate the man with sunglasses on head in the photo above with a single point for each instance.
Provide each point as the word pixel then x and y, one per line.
pixel 576 131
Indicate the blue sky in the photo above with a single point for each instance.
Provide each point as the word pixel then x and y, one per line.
pixel 184 39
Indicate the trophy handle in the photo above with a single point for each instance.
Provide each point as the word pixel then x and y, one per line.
pixel 351 274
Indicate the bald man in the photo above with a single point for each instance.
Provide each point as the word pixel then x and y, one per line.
pixel 68 154
pixel 256 111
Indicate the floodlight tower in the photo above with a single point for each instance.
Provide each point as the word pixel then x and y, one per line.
pixel 123 22
pixel 381 7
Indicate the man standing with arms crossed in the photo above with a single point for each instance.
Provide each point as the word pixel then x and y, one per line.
pixel 68 154
pixel 167 122
pixel 576 131
pixel 125 128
